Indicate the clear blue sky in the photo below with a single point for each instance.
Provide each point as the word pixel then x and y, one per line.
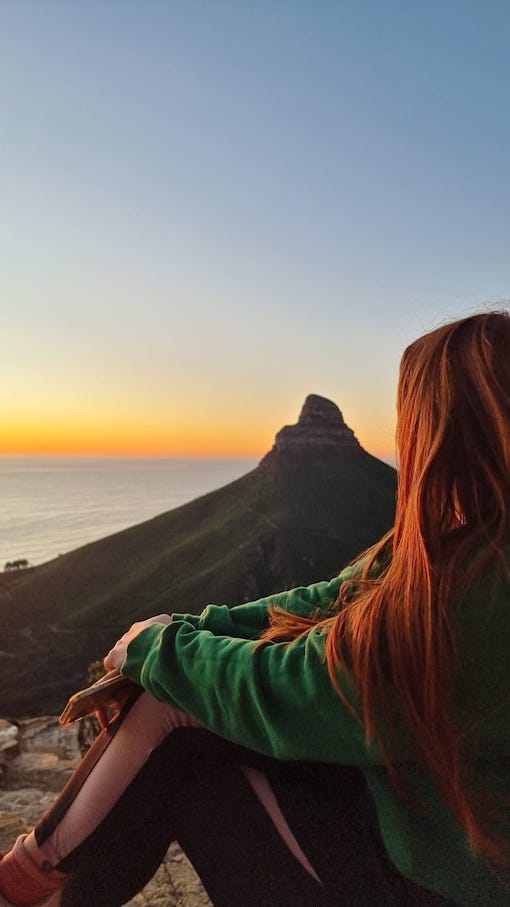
pixel 211 209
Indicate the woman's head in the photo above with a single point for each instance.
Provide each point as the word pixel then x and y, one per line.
pixel 453 432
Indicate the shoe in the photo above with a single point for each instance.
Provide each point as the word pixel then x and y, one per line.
pixel 52 900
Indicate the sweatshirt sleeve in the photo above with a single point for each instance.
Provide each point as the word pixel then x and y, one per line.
pixel 247 621
pixel 276 699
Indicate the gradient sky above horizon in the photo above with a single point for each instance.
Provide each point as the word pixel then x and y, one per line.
pixel 212 209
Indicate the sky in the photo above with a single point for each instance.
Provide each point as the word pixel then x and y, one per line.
pixel 211 209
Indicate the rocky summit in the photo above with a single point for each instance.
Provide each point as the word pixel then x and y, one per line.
pixel 320 424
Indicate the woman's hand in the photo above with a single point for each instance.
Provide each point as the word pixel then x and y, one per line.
pixel 117 656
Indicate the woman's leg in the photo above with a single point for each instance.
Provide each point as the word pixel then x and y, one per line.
pixel 104 774
pixel 245 822
pixel 112 824
pixel 190 792
pixel 158 776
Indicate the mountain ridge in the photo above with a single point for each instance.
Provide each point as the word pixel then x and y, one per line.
pixel 298 517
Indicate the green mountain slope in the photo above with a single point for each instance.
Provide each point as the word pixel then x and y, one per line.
pixel 298 517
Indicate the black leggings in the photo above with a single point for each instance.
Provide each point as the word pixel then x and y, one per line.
pixel 195 788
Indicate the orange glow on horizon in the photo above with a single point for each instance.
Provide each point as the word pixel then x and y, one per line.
pixel 74 440
pixel 152 435
pixel 116 444
pixel 120 447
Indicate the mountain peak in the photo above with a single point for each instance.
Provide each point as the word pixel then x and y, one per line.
pixel 320 424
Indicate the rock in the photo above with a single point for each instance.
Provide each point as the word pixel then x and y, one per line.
pixel 320 424
pixel 175 884
pixel 11 826
pixel 40 754
pixel 8 736
pixel 27 803
pixel 9 745
pixel 45 735
pixel 38 769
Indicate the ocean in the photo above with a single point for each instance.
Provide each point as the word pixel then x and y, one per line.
pixel 51 505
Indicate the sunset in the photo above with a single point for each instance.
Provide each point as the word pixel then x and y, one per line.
pixel 211 210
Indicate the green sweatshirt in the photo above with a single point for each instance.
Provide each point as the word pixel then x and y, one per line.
pixel 278 700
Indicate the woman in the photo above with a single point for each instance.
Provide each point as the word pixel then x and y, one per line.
pixel 344 744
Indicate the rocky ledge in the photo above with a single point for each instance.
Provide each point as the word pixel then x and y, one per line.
pixel 37 757
pixel 320 424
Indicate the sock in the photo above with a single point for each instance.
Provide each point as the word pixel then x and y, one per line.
pixel 22 881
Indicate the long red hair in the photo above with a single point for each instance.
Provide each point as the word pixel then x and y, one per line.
pixel 395 627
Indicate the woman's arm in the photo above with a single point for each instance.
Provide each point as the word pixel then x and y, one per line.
pixel 241 621
pixel 274 698
pixel 249 620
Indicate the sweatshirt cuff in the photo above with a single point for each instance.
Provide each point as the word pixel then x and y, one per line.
pixel 194 619
pixel 147 641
